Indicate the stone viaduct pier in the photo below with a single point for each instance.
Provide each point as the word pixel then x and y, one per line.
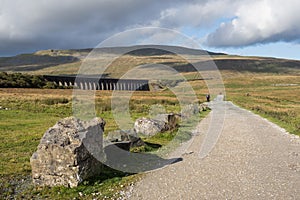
pixel 94 83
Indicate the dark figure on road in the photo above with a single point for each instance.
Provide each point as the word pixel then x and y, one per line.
pixel 207 97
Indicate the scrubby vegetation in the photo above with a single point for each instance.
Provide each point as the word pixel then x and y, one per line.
pixel 20 80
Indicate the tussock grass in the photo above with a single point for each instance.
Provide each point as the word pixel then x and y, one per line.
pixel 262 95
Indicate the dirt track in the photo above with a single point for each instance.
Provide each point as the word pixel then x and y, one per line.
pixel 252 159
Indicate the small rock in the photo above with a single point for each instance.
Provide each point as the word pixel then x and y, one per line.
pixel 204 107
pixel 125 139
pixel 121 135
pixel 188 153
pixel 3 108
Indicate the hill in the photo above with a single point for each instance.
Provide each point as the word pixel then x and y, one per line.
pixel 69 61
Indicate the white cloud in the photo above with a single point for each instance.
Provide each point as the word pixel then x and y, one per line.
pixel 196 14
pixel 259 22
pixel 26 26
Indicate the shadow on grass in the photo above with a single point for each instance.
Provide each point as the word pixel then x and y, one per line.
pixel 153 145
pixel 106 174
pixel 126 161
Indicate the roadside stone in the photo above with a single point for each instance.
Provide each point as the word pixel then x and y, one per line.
pixel 121 135
pixel 137 142
pixel 161 123
pixel 171 120
pixel 149 127
pixel 125 136
pixel 66 153
pixel 204 107
pixel 189 110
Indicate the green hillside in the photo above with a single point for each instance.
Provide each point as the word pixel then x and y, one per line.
pixel 69 61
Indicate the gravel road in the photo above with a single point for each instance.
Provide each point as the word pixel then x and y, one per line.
pixel 252 159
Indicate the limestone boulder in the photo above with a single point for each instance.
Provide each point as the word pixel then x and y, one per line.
pixel 68 152
pixel 171 120
pixel 161 123
pixel 189 110
pixel 149 127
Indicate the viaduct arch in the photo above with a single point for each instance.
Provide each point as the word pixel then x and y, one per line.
pixel 94 83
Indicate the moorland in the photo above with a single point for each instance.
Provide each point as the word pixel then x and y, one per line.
pixel 269 87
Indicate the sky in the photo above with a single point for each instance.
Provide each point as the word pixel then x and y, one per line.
pixel 242 27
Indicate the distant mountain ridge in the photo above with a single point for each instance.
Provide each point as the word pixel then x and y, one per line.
pixel 149 50
pixel 69 61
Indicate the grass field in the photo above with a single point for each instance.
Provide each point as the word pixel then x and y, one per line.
pixel 30 112
pixel 275 97
pixel 269 87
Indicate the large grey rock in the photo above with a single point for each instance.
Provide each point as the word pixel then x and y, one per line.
pixel 161 123
pixel 149 127
pixel 66 153
pixel 189 110
pixel 171 120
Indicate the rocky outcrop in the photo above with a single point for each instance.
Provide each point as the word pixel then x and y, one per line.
pixel 66 153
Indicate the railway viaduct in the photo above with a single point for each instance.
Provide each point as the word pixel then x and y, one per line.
pixel 94 83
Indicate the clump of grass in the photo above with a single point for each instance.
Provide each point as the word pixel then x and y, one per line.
pixel 162 138
pixel 53 101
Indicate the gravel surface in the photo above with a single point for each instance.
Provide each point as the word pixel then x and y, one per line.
pixel 252 159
